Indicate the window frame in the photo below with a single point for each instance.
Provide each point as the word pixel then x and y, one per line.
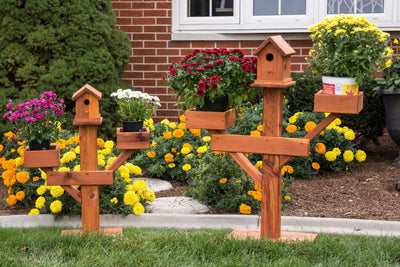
pixel 244 23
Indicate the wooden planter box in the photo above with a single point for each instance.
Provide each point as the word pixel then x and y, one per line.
pixel 343 104
pixel 210 120
pixel 133 140
pixel 42 158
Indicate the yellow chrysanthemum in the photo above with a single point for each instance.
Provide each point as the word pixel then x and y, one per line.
pixel 223 180
pixel 202 149
pixel 138 208
pixel 291 128
pixel 260 128
pixel 100 143
pixel 310 126
pixel 169 157
pixel 350 135
pixel 360 155
pixel 131 198
pixel 287 198
pixel 56 206
pixel 337 151
pixel 56 191
pixel 207 138
pixel 330 156
pixel 320 148
pixel 34 212
pixel 178 133
pixel 22 177
pixel 195 132
pixel 151 154
pixel 11 200
pixel 41 190
pixel 185 150
pixel 182 126
pixel 172 125
pixel 39 203
pixel 315 166
pixel 171 165
pixel 167 135
pixel 348 156
pixel 255 133
pixel 245 209
pixel 186 167
pixel 114 200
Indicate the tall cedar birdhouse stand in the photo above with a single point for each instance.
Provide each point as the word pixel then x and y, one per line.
pixel 273 75
pixel 89 177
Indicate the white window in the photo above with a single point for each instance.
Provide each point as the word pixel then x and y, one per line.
pixel 209 19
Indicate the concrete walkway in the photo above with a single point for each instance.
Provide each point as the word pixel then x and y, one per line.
pixel 182 213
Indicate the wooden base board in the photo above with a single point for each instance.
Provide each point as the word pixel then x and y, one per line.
pixel 105 231
pixel 243 233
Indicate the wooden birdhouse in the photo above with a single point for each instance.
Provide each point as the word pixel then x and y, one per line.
pixel 87 106
pixel 273 63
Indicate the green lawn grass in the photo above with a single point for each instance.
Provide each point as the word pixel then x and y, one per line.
pixel 150 247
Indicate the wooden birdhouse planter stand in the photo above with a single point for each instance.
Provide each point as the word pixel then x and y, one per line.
pixel 273 75
pixel 89 177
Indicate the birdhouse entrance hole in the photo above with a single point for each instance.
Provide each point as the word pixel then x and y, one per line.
pixel 87 102
pixel 270 57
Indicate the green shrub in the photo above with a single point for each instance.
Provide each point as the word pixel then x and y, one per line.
pixel 368 124
pixel 59 46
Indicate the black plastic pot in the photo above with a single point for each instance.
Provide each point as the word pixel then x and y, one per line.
pixel 35 145
pixel 131 126
pixel 391 100
pixel 220 104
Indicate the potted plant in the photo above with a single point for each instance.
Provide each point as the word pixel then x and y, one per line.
pixel 38 121
pixel 389 88
pixel 134 107
pixel 211 76
pixel 346 46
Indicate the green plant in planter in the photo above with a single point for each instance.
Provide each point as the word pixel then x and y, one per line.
pixel 347 46
pixel 390 72
pixel 210 73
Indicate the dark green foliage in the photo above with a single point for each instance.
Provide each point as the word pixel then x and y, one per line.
pixel 59 46
pixel 301 96
pixel 368 124
pixel 371 121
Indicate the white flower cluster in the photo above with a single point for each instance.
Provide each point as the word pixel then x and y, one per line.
pixel 128 93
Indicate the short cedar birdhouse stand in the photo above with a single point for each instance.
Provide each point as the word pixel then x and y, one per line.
pixel 273 75
pixel 89 177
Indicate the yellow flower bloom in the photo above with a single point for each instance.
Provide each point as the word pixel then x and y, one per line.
pixel 195 132
pixel 258 165
pixel 151 154
pixel 109 144
pixel 207 138
pixel 178 133
pixel 260 128
pixel 245 209
pixel 223 180
pixel 360 155
pixel 56 191
pixel 309 126
pixel 287 198
pixel 185 150
pixel 56 206
pixel 22 177
pixel 186 167
pixel 167 135
pixel 41 190
pixel 114 200
pixel 169 157
pixel 337 151
pixel 330 156
pixel 291 128
pixel 131 198
pixel 138 209
pixel 172 125
pixel 348 156
pixel 34 212
pixel 315 165
pixel 202 149
pixel 182 126
pixel 350 135
pixel 171 165
pixel 182 118
pixel 39 203
pixel 100 143
pixel 320 148
pixel 20 195
pixel 255 133
pixel 11 200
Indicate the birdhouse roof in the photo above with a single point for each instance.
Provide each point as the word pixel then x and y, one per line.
pixel 86 89
pixel 279 43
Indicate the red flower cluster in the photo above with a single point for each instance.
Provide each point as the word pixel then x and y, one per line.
pixel 225 72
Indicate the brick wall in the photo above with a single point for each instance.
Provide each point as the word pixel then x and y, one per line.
pixel 148 25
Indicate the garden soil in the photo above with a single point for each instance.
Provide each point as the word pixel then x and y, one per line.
pixel 371 191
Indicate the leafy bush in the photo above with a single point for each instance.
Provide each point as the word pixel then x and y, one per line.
pixel 171 144
pixel 28 187
pixel 60 46
pixel 368 124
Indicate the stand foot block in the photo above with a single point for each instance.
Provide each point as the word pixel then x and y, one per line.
pixel 102 231
pixel 243 233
